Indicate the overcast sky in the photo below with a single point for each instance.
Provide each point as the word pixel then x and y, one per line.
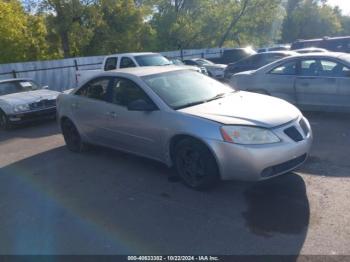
pixel 343 4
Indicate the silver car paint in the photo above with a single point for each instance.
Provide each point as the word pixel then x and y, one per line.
pixel 149 134
pixel 320 93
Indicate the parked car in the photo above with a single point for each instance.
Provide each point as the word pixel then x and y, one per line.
pixel 178 62
pixel 311 81
pixel 274 48
pixel 233 55
pixel 214 70
pixel 204 128
pixel 255 61
pixel 335 44
pixel 311 50
pixel 23 100
pixel 119 61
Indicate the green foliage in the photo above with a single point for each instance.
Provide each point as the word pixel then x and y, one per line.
pixel 46 29
pixel 310 19
pixel 22 36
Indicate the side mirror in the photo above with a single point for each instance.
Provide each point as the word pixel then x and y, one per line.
pixel 141 105
pixel 45 87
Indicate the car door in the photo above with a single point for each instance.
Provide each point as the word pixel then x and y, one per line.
pixel 88 106
pixel 280 81
pixel 343 88
pixel 138 132
pixel 316 85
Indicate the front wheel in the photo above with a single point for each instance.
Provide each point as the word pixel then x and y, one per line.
pixel 72 137
pixel 196 165
pixel 4 122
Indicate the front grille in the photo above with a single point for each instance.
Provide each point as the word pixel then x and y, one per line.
pixel 304 127
pixel 293 133
pixel 284 167
pixel 46 103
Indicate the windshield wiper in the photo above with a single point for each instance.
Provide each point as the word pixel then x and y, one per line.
pixel 190 104
pixel 221 95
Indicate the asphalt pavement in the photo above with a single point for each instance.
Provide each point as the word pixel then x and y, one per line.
pixel 53 201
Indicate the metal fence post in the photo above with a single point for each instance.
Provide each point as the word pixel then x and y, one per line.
pixel 14 74
pixel 76 64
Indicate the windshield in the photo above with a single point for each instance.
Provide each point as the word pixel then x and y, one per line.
pixel 177 62
pixel 152 60
pixel 204 62
pixel 12 87
pixel 184 88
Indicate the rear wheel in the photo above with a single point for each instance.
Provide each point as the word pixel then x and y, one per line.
pixel 72 137
pixel 195 164
pixel 4 122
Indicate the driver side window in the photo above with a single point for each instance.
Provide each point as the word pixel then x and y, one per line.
pixel 125 91
pixel 95 89
pixel 126 62
pixel 285 69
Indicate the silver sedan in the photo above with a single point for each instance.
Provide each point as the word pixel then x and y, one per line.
pixel 188 120
pixel 316 82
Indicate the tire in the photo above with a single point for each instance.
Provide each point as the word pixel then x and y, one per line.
pixel 72 137
pixel 4 122
pixel 196 165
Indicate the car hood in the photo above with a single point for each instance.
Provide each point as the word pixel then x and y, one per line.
pixel 29 97
pixel 245 108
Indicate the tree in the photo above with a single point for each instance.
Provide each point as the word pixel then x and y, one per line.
pixel 22 36
pixel 310 19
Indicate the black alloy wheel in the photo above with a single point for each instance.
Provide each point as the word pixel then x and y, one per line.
pixel 196 165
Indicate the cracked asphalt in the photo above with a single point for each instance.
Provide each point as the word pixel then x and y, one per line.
pixel 53 201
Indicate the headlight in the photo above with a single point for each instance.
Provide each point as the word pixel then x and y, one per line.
pixel 248 135
pixel 21 108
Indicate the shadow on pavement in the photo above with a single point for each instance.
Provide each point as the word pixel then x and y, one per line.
pixel 331 146
pixel 106 202
pixel 32 130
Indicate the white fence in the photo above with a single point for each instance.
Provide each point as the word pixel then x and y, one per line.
pixel 60 74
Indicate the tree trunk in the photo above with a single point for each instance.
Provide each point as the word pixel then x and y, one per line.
pixel 65 44
pixel 233 23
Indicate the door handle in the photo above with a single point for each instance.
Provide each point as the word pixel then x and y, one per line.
pixel 112 114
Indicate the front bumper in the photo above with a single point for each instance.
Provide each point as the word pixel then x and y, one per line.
pixel 31 116
pixel 260 162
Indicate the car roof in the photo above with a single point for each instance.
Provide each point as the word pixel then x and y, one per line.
pixel 134 54
pixel 15 79
pixel 148 70
pixel 338 55
pixel 282 52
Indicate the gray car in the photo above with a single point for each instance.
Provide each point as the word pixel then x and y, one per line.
pixel 188 120
pixel 317 82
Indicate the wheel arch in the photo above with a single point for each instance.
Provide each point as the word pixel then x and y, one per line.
pixel 179 137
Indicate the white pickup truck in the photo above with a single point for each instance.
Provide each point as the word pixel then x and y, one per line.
pixel 126 60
